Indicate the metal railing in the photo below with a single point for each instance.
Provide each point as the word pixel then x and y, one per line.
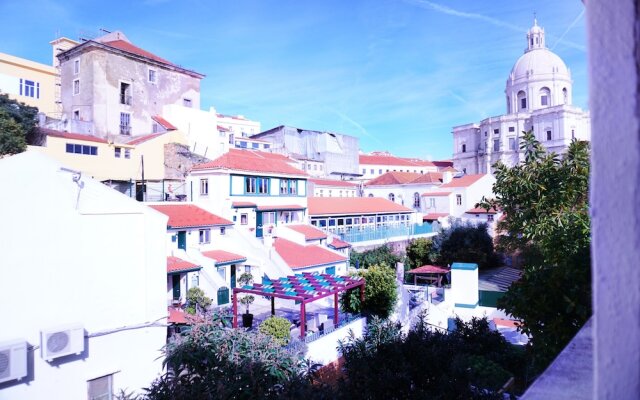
pixel 125 130
pixel 363 235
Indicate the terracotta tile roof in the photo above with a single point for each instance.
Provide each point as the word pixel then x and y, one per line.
pixel 252 161
pixel 164 123
pixel 332 182
pixel 243 204
pixel 405 178
pixel 429 269
pixel 72 136
pixel 224 257
pixel 178 316
pixel 130 48
pixel 449 169
pixel 353 205
pixel 388 159
pixel 309 232
pixel 189 216
pixel 443 163
pixel 339 244
pixel 283 207
pixel 463 181
pixel 434 216
pixel 223 129
pixel 479 210
pixel 297 256
pixel 141 139
pixel 175 264
pixel 432 194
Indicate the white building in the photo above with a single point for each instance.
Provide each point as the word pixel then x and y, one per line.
pixel 377 163
pixel 84 277
pixel 402 187
pixel 332 188
pixel 539 98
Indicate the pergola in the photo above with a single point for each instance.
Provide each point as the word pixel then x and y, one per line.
pixel 304 288
pixel 430 273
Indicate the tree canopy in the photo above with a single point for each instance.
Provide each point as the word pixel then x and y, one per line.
pixel 380 292
pixel 546 221
pixel 382 255
pixel 420 252
pixel 465 243
pixel 17 122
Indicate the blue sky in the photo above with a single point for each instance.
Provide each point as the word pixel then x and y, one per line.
pixel 398 74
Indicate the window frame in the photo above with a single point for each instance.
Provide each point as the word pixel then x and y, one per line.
pixel 204 236
pixel 76 87
pixel 204 186
pixel 152 76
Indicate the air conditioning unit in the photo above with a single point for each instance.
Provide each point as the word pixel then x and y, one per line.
pixel 13 360
pixel 61 341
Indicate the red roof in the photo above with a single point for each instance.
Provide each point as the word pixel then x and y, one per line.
pixel 353 205
pixel 443 163
pixel 164 123
pixel 428 194
pixel 73 136
pixel 283 207
pixel 178 316
pixel 175 264
pixel 223 257
pixel 223 129
pixel 309 232
pixel 332 182
pixel 243 204
pixel 144 138
pixel 254 161
pixel 463 181
pixel 434 216
pixel 298 256
pixel 480 210
pixel 429 269
pixel 449 169
pixel 130 48
pixel 339 244
pixel 403 178
pixel 189 216
pixel 389 159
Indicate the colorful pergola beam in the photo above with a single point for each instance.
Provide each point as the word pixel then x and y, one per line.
pixel 305 288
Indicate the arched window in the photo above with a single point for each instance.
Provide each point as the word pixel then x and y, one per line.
pixel 392 197
pixel 522 100
pixel 370 194
pixel 545 96
pixel 464 148
pixel 416 199
pixel 565 96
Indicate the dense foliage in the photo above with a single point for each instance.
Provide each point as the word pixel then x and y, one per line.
pixel 17 122
pixel 382 255
pixel 197 301
pixel 380 293
pixel 420 252
pixel 545 203
pixel 212 362
pixel 465 243
pixel 471 362
pixel 278 328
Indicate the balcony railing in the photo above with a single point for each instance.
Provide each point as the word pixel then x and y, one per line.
pixel 125 130
pixel 380 233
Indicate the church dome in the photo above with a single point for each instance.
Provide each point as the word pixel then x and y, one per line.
pixel 540 62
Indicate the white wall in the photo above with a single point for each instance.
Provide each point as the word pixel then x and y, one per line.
pixel 325 349
pixel 98 261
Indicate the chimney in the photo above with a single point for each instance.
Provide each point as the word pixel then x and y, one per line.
pixel 447 176
pixel 464 285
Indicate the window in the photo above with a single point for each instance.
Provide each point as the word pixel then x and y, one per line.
pixel 76 87
pixel 496 131
pixel 522 100
pixel 523 103
pixel 253 185
pixel 548 135
pixel 565 96
pixel 81 149
pixel 371 171
pixel 127 153
pixel 392 197
pixel 545 95
pixel 204 187
pixel 125 93
pixel 223 230
pixel 496 145
pixel 370 194
pixel 117 152
pixel 464 148
pixel 380 171
pixel 512 129
pixel 485 133
pixel 255 145
pixel 204 236
pixel 186 103
pixel 247 269
pixel 416 199
pixel 340 195
pixel 155 128
pixel 432 202
pixel 76 67
pixel 243 144
pixel 152 76
pixel 231 138
pixel 244 219
pixel 459 199
pixel 76 115
pixel 320 194
pixel 267 146
pixel 512 143
pixel 330 192
pixel 100 388
pixel 29 88
pixel 573 134
pixel 125 124
pixel 490 217
pixel 364 171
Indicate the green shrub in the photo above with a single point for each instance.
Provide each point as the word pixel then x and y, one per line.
pixel 380 293
pixel 278 328
pixel 197 301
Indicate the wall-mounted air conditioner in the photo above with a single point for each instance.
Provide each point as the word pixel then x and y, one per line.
pixel 13 360
pixel 61 341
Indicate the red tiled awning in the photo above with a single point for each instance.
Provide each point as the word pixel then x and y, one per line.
pixel 222 257
pixel 434 216
pixel 428 269
pixel 177 265
pixel 339 244
pixel 309 232
pixel 298 256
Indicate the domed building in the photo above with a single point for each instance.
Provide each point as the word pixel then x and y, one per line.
pixel 538 96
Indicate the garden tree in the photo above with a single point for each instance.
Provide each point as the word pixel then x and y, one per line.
pixel 17 123
pixel 214 362
pixel 380 293
pixel 472 362
pixel 420 252
pixel 546 220
pixel 465 243
pixel 382 255
pixel 197 301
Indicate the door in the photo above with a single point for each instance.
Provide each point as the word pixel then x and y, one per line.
pixel 223 296
pixel 258 224
pixel 176 286
pixel 182 240
pixel 233 276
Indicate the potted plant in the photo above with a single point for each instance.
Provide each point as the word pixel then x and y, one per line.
pixel 247 318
